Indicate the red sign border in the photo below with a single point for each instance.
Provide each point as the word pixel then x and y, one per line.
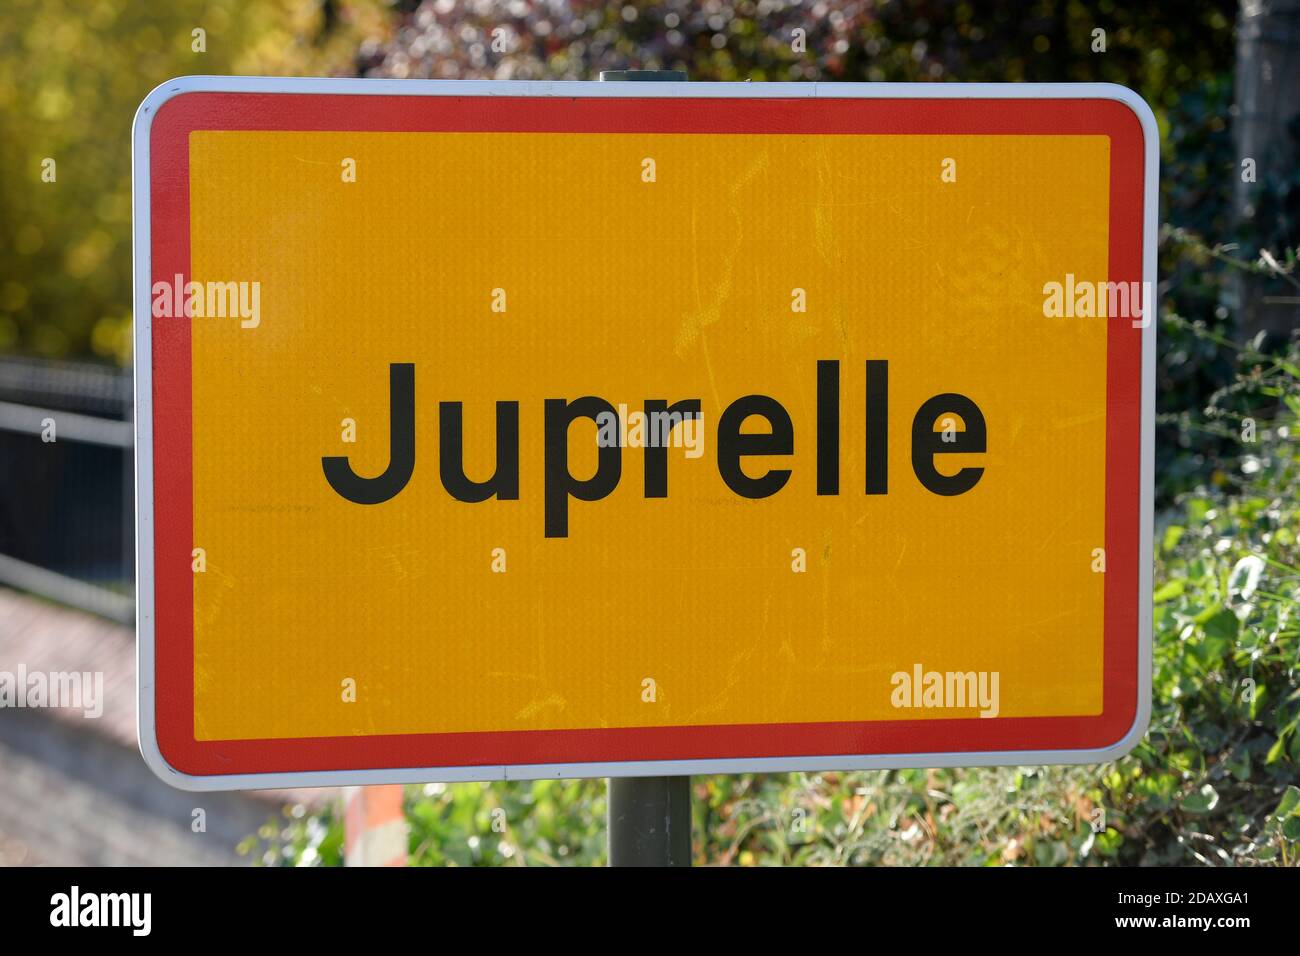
pixel 172 478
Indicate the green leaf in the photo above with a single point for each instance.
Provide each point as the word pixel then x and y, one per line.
pixel 1223 626
pixel 1204 615
pixel 1201 801
pixel 1290 803
pixel 1173 534
pixel 1239 765
pixel 1173 589
pixel 1261 691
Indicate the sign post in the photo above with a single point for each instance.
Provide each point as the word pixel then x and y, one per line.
pixel 841 458
pixel 649 821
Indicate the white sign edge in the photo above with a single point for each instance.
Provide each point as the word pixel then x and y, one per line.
pixel 143 359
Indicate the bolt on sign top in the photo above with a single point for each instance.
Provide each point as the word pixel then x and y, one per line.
pixel 510 430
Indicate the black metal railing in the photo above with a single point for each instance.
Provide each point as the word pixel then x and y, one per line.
pixel 67 484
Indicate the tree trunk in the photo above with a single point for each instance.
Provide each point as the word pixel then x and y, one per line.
pixel 1267 99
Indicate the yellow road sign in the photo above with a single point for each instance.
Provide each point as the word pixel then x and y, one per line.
pixel 495 429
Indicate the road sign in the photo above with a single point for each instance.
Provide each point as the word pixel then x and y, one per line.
pixel 511 430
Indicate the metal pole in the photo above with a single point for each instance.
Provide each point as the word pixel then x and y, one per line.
pixel 649 817
pixel 650 821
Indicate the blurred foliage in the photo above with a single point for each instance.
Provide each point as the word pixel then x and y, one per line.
pixel 529 823
pixel 1213 781
pixel 298 838
pixel 1159 50
pixel 1195 356
pixel 72 73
